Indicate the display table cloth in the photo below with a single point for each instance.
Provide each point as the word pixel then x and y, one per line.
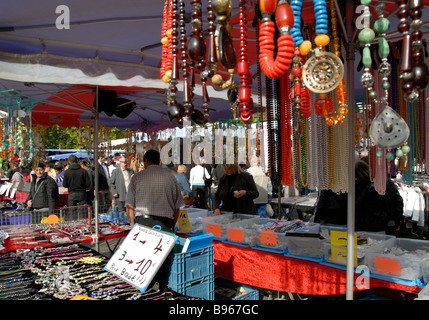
pixel 280 273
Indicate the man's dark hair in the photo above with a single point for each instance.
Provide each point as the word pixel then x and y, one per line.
pixel 50 164
pixel 152 156
pixel 72 158
pixel 41 165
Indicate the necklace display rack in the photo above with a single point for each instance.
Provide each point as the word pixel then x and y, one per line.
pixel 389 131
pixel 295 72
pixel 191 56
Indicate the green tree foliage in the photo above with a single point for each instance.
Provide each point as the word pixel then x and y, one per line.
pixel 57 137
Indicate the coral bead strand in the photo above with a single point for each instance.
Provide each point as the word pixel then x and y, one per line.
pixel 274 68
pixel 246 101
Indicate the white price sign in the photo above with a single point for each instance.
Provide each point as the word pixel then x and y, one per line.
pixel 140 255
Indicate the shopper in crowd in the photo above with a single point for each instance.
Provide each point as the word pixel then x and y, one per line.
pixel 23 164
pixel 104 195
pixel 13 167
pixel 261 181
pixel 141 166
pixel 198 177
pixel 86 165
pixel 111 165
pixel 154 195
pixel 376 212
pixel 185 186
pixel 50 168
pixel 119 182
pixel 103 165
pixel 134 164
pixel 373 211
pixel 331 208
pixel 217 173
pixel 17 176
pixel 77 181
pixel 236 192
pixel 43 193
pixel 60 174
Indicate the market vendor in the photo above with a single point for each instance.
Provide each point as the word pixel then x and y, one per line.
pixel 43 191
pixel 236 192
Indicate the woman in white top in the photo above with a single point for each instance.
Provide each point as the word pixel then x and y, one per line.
pixel 197 178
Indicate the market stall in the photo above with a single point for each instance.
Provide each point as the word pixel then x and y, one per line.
pixel 298 84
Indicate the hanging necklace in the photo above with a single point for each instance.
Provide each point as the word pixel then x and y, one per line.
pixel 166 37
pixel 324 71
pixel 414 71
pixel 224 49
pixel 388 129
pixel 285 46
pixel 286 130
pixel 244 95
pixel 175 110
pixel 196 48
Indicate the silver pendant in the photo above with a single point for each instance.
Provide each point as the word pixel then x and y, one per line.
pixel 388 129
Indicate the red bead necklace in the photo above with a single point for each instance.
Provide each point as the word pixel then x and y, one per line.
pixel 166 36
pixel 244 95
pixel 285 45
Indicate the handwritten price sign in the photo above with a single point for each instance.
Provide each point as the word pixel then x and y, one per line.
pixel 141 255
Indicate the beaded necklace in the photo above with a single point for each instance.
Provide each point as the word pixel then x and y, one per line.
pixel 387 130
pixel 414 71
pixel 286 131
pixel 285 47
pixel 246 101
pixel 175 110
pixel 166 37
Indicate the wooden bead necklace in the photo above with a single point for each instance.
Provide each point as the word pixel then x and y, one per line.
pixel 414 71
pixel 244 95
pixel 225 52
pixel 175 110
pixel 192 55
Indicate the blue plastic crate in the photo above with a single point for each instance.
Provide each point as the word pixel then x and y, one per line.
pixel 237 291
pixel 200 288
pixel 190 266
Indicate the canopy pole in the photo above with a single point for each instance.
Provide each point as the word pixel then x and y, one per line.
pixel 97 245
pixel 349 74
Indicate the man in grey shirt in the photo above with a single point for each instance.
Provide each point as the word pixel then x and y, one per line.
pixel 154 196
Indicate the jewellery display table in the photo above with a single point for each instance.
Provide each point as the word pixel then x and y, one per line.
pixel 285 274
pixel 297 205
pixel 31 236
pixel 69 272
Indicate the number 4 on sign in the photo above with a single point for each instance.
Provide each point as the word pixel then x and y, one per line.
pixel 158 247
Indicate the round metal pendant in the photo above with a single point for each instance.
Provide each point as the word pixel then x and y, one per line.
pixel 388 129
pixel 323 72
